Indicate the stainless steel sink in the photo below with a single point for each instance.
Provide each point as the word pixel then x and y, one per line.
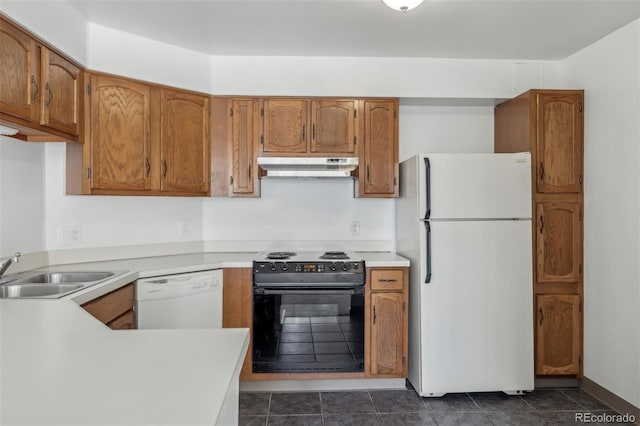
pixel 52 285
pixel 66 277
pixel 36 290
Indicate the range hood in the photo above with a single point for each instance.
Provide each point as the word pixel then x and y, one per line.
pixel 308 166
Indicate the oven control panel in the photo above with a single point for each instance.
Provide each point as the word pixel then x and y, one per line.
pixel 280 267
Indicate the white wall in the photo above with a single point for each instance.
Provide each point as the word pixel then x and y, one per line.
pixel 54 21
pixel 21 197
pixel 609 71
pixel 114 221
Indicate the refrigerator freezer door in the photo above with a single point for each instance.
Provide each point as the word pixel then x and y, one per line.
pixel 475 186
pixel 476 327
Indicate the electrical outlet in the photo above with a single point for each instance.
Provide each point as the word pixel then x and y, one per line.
pixel 70 235
pixel 354 228
pixel 183 229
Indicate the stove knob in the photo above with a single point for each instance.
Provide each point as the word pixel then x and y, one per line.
pixel 345 266
pixel 333 267
pixel 273 266
pixel 298 268
pixel 285 266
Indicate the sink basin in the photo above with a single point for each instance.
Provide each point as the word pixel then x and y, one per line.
pixel 36 290
pixel 66 277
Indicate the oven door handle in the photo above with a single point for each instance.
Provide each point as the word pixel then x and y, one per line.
pixel 307 291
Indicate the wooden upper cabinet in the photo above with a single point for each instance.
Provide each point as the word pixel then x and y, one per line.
pixel 559 142
pixel 387 334
pixel 333 125
pixel 120 140
pixel 184 141
pixel 19 75
pixel 285 126
pixel 60 98
pixel 559 242
pixel 241 131
pixel 379 165
pixel 558 348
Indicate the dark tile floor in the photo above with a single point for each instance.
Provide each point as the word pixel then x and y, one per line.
pixel 405 407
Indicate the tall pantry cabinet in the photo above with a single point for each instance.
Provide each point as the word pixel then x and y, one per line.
pixel 549 124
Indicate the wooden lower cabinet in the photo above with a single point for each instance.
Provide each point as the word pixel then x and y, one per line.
pixel 237 308
pixel 386 322
pixel 558 334
pixel 115 309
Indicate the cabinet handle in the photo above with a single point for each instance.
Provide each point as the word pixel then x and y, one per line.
pixel 304 132
pixel 387 280
pixel 164 168
pixel 48 89
pixel 541 171
pixel 37 89
pixel 541 223
pixel 249 171
pixel 148 167
pixel 374 314
pixel 368 180
pixel 313 131
pixel 541 316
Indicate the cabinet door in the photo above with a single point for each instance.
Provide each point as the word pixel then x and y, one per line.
pixel 380 149
pixel 184 139
pixel 285 125
pixel 559 142
pixel 333 126
pixel 558 342
pixel 559 237
pixel 386 348
pixel 60 98
pixel 120 142
pixel 19 79
pixel 237 308
pixel 242 139
pixel 126 321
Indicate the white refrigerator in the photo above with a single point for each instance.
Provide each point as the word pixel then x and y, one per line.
pixel 464 222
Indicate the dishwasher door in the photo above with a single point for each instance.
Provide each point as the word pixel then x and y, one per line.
pixel 192 300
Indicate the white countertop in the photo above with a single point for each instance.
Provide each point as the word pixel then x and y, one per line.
pixel 61 366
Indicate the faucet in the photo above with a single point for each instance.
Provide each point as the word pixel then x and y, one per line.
pixel 5 265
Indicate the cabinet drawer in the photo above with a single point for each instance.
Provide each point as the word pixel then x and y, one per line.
pixel 387 279
pixel 126 321
pixel 112 305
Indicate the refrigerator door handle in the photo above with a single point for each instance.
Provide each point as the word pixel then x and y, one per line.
pixel 427 172
pixel 427 280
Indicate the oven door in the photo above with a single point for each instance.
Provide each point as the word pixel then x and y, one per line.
pixel 310 329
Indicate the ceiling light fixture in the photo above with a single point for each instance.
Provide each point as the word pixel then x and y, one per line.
pixel 403 5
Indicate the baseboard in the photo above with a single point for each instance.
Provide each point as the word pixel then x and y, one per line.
pixel 556 382
pixel 321 385
pixel 609 398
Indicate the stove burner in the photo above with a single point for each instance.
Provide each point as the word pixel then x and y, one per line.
pixel 280 255
pixel 334 255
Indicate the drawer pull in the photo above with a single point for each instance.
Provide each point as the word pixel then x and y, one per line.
pixel 387 280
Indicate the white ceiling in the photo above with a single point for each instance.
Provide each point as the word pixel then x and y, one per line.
pixel 480 29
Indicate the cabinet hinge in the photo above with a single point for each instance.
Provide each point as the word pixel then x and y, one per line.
pixel 230 112
pixel 230 180
pixel 261 139
pixel 355 140
pixel 261 112
pixel 88 89
pixel 88 172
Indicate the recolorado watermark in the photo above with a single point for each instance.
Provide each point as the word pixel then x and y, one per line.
pixel 604 418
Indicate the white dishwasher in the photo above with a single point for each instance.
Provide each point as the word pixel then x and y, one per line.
pixel 191 300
